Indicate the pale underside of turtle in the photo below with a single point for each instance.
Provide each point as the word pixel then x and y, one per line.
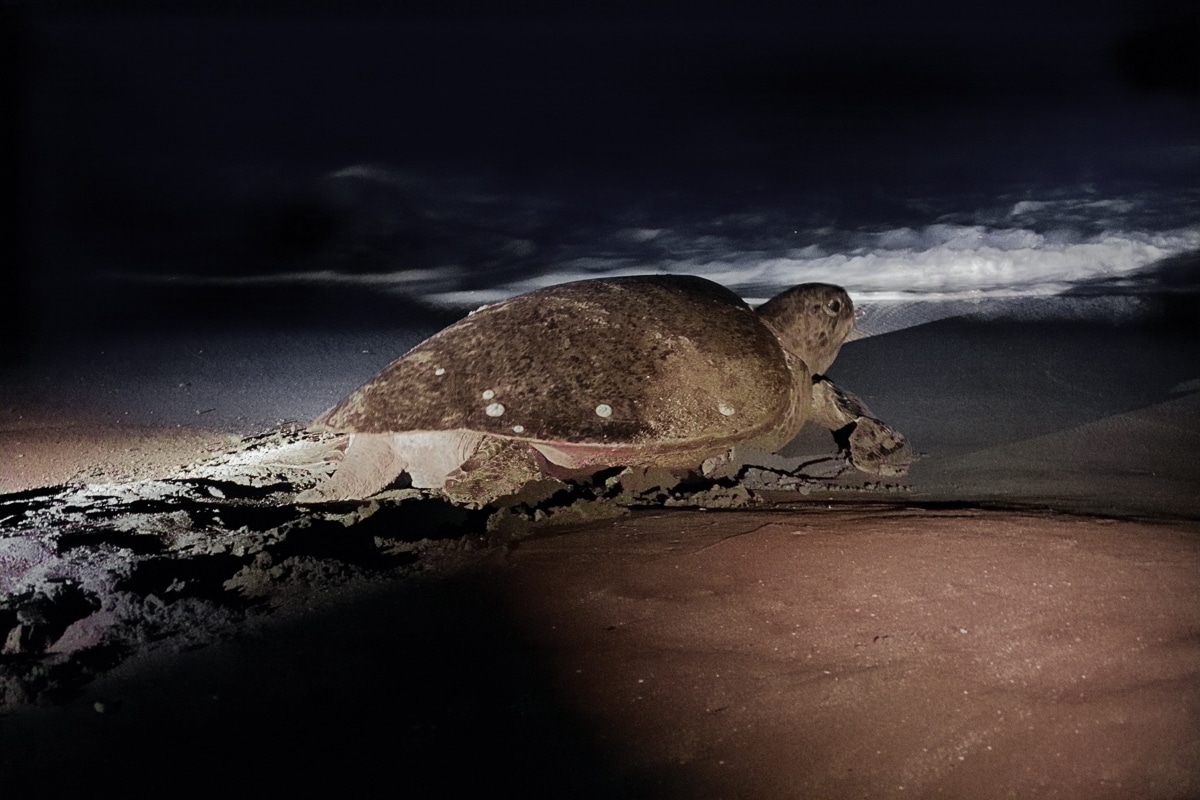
pixel 651 371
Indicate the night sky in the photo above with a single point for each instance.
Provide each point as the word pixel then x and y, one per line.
pixel 180 136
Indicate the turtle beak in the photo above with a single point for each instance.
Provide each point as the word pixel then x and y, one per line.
pixel 855 333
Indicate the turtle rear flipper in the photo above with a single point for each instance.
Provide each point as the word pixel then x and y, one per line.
pixel 370 464
pixel 496 469
pixel 373 461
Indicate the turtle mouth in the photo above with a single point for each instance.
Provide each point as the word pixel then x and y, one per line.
pixel 854 334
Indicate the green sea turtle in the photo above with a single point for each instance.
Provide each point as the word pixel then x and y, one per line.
pixel 648 371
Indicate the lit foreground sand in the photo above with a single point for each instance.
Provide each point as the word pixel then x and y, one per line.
pixel 844 651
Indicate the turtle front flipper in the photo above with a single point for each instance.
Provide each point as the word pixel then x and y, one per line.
pixel 870 445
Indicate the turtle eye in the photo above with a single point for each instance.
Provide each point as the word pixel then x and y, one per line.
pixel 833 307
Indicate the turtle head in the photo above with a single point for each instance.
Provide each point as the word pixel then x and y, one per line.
pixel 811 321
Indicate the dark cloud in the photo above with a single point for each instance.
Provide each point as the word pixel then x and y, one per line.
pixel 1163 53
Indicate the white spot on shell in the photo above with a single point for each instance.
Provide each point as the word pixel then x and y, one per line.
pixel 727 410
pixel 518 428
pixel 488 394
pixel 494 410
pixel 440 371
pixel 604 410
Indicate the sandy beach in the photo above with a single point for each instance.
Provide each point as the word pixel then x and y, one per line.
pixel 1017 617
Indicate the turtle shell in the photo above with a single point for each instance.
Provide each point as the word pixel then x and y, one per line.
pixel 665 362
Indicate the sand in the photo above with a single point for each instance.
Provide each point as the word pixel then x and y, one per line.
pixel 1018 619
